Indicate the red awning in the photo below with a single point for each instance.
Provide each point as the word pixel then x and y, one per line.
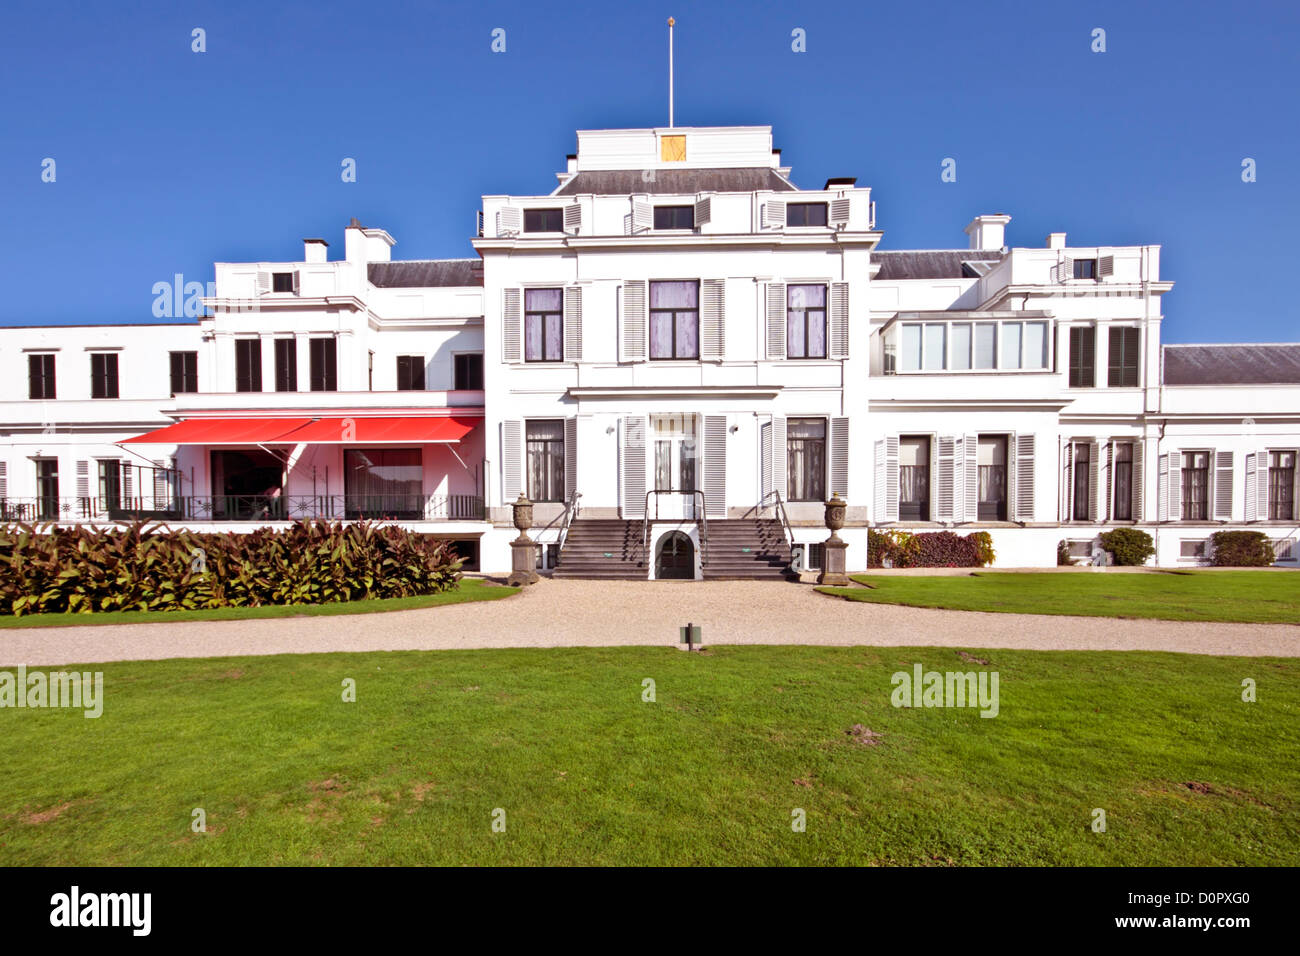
pixel 221 431
pixel 387 430
pixel 403 429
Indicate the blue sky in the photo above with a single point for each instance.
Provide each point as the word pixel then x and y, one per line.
pixel 168 160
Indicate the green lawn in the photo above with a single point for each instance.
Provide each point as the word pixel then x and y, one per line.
pixel 469 589
pixel 1253 596
pixel 588 773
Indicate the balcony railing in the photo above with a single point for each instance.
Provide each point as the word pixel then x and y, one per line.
pixel 381 507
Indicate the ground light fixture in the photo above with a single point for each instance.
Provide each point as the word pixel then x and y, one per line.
pixel 689 635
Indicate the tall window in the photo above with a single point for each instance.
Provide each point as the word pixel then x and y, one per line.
pixel 47 489
pixel 410 373
pixel 1083 356
pixel 110 483
pixel 286 365
pixel 674 217
pixel 992 464
pixel 914 478
pixel 1122 506
pixel 1196 485
pixel 185 372
pixel 674 320
pixel 1123 361
pixel 805 456
pixel 383 482
pixel 103 375
pixel 248 365
pixel 468 371
pixel 1281 486
pixel 805 214
pixel 1082 481
pixel 805 321
pixel 545 448
pixel 324 365
pixel 543 220
pixel 40 376
pixel 543 325
pixel 676 452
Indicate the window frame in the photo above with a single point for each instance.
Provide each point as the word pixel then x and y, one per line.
pixel 817 483
pixel 1286 485
pixel 544 314
pixel 823 205
pixel 805 313
pixel 286 371
pixel 554 465
pixel 1123 332
pixel 1091 268
pixel 895 341
pixel 1080 480
pixel 1079 375
pixel 674 208
pixel 46 377
pixel 924 509
pixel 675 313
pixel 323 363
pixel 248 350
pixel 456 358
pixel 412 367
pixel 104 381
pixel 1187 483
pixel 186 376
pixel 281 279
pixel 546 212
pixel 1122 501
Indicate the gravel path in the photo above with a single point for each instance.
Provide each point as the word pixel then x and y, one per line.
pixel 566 613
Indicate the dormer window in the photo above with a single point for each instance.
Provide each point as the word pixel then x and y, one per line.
pixel 543 220
pixel 1085 268
pixel 281 281
pixel 674 217
pixel 805 214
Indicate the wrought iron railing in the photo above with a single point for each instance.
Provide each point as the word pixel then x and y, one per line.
pixel 780 513
pixel 380 507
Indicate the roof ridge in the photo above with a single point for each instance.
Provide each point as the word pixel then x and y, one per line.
pixel 1221 345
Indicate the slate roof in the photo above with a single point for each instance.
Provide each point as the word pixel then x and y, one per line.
pixel 932 263
pixel 426 273
pixel 1232 364
pixel 625 182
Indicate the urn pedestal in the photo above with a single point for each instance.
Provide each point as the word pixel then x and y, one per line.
pixel 834 560
pixel 523 550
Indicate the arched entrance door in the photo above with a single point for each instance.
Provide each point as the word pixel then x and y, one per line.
pixel 676 558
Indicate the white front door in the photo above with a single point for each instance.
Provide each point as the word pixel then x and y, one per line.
pixel 676 453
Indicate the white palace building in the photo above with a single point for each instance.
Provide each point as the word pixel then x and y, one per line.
pixel 678 355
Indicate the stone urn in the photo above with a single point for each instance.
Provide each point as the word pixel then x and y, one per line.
pixel 523 551
pixel 833 560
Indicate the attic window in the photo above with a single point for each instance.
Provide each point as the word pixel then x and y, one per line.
pixel 674 217
pixel 672 149
pixel 282 282
pixel 543 220
pixel 1085 268
pixel 805 214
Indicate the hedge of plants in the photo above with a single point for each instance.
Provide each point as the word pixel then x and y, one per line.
pixel 1241 549
pixel 1130 546
pixel 929 549
pixel 47 569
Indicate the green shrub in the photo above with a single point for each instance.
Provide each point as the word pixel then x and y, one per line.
pixel 1063 559
pixel 984 547
pixel 1130 546
pixel 46 569
pixel 928 549
pixel 1241 549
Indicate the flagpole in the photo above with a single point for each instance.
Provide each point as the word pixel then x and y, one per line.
pixel 670 72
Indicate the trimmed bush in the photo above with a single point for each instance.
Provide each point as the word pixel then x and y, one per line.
pixel 930 549
pixel 1241 549
pixel 1063 559
pixel 1130 546
pixel 47 569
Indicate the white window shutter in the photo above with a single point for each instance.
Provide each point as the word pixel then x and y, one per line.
pixel 643 216
pixel 297 282
pixel 1175 486
pixel 839 316
pixel 510 221
pixel 971 472
pixel 512 445
pixel 633 334
pixel 715 466
pixel 1138 480
pixel 703 211
pixel 1108 504
pixel 570 457
pixel 776 312
pixel 512 325
pixel 1262 462
pixel 159 484
pixel 632 466
pixel 946 496
pixel 774 214
pixel 1162 489
pixel 1105 267
pixel 4 479
pixel 1094 481
pixel 780 475
pixel 765 482
pixel 1065 270
pixel 1023 505
pixel 878 479
pixel 127 491
pixel 83 479
pixel 891 478
pixel 958 479
pixel 839 212
pixel 263 282
pixel 713 313
pixel 1223 467
pixel 1067 483
pixel 573 323
pixel 573 219
pixel 840 457
pixel 1251 513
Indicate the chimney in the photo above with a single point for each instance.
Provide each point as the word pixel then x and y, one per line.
pixel 315 250
pixel 366 245
pixel 1056 240
pixel 988 232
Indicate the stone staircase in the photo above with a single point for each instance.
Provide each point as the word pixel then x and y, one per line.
pixel 736 549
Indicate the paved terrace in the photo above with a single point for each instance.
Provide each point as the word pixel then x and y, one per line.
pixel 569 613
